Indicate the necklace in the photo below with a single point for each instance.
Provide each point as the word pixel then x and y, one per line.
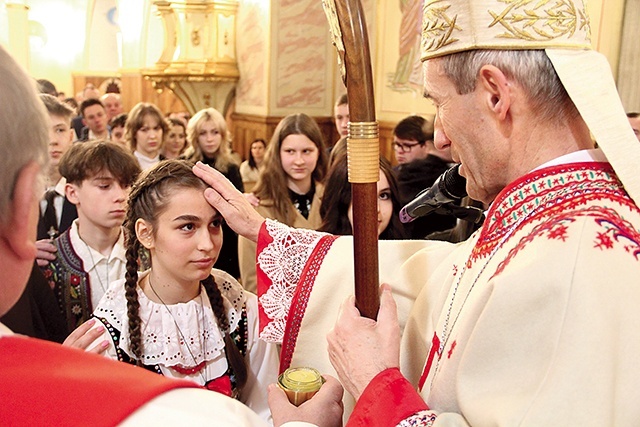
pixel 198 367
pixel 446 332
pixel 104 289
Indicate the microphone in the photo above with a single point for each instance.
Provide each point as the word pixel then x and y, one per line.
pixel 449 187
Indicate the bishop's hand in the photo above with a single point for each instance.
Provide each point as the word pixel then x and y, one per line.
pixel 361 348
pixel 232 204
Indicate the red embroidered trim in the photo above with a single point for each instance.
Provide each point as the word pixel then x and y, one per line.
pixel 301 299
pixel 189 370
pixel 567 186
pixel 616 229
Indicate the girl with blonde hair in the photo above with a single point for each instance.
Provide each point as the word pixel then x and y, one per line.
pixel 207 138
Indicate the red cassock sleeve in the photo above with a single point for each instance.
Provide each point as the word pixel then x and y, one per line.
pixel 44 383
pixel 388 399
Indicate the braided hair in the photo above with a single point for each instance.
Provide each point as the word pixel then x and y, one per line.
pixel 148 199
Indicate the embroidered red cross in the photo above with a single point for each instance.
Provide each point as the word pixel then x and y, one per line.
pixel 453 346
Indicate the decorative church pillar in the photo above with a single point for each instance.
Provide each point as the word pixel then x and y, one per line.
pixel 18 23
pixel 198 62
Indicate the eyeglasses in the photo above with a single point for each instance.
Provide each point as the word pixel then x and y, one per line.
pixel 404 148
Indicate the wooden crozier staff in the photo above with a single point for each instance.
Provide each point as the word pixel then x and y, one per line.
pixel 349 32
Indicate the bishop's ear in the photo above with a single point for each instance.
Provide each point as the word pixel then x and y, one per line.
pixel 497 90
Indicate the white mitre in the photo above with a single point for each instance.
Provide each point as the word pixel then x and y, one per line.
pixel 561 28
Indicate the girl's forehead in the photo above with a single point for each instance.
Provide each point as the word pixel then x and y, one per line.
pixel 150 118
pixel 189 201
pixel 209 124
pixel 297 140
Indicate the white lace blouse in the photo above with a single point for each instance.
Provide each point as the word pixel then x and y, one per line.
pixel 163 328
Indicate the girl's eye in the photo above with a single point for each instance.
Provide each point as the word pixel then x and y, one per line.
pixel 187 227
pixel 385 195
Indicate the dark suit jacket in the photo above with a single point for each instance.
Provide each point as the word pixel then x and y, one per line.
pixel 37 313
pixel 69 213
pixel 77 125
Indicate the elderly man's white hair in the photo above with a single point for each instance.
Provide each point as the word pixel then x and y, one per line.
pixel 23 127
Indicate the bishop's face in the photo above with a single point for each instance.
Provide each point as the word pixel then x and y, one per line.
pixel 462 125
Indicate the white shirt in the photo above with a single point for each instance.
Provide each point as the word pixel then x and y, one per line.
pixel 144 161
pixel 102 270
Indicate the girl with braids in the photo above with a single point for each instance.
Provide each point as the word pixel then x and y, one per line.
pixel 181 318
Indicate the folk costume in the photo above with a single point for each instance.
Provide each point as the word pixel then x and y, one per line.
pixel 532 320
pixel 80 275
pixel 184 340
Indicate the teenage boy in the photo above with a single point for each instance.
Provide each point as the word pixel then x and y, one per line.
pixel 56 213
pixel 95 120
pixel 91 253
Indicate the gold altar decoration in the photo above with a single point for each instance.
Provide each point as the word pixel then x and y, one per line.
pixel 198 62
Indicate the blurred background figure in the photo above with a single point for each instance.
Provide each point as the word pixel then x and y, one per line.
pixel 250 168
pixel 112 103
pixel 144 133
pixel 420 164
pixel 290 187
pixel 117 126
pixel 175 141
pixel 94 119
pixel 341 116
pixel 336 209
pixel 207 140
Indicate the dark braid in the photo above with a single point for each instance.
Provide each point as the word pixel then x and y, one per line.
pixel 131 292
pixel 147 200
pixel 234 357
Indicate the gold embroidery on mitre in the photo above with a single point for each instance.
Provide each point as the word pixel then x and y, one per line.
pixel 437 27
pixel 540 20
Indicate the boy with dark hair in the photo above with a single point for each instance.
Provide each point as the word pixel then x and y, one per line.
pixel 56 213
pixel 116 125
pixel 94 118
pixel 410 137
pixel 91 254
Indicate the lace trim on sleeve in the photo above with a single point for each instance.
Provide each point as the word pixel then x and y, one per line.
pixel 283 261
